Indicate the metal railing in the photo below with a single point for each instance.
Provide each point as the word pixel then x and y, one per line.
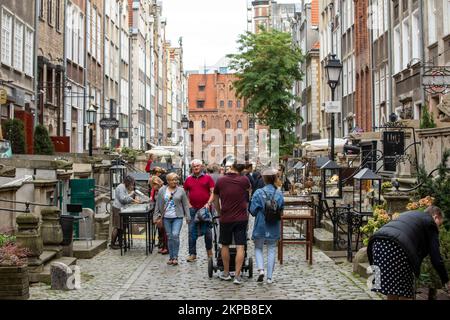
pixel 26 203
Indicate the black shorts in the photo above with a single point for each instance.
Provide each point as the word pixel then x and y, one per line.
pixel 234 230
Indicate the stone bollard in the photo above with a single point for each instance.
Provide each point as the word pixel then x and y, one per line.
pixel 62 276
pixel 28 236
pixel 51 230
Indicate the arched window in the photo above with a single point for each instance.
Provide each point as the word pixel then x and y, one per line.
pixel 227 124
pixel 203 124
pixel 239 124
pixel 191 124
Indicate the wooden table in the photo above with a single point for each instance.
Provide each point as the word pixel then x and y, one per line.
pixel 302 214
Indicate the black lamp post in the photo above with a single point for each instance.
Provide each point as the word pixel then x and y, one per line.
pixel 333 69
pixel 91 119
pixel 185 126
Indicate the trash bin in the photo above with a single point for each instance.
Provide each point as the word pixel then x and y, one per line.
pixel 67 229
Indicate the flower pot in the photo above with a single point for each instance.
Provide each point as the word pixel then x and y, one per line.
pixel 14 284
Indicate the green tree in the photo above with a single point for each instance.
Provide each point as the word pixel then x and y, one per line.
pixel 13 130
pixel 267 66
pixel 42 142
pixel 427 120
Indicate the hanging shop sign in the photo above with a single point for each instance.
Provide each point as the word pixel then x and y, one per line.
pixel 109 123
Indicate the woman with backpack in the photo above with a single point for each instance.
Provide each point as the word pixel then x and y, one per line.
pixel 266 206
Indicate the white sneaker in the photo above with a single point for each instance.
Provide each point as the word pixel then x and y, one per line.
pixel 261 276
pixel 269 281
pixel 225 277
pixel 238 280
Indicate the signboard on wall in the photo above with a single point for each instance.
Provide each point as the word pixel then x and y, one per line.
pixel 3 96
pixel 393 146
pixel 109 123
pixel 333 107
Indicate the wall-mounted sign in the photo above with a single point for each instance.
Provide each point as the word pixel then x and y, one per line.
pixel 393 146
pixel 109 123
pixel 123 135
pixel 3 96
pixel 333 107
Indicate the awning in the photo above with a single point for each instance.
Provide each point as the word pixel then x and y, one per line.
pixel 323 144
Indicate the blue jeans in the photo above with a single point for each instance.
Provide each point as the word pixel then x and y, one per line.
pixel 173 228
pixel 194 228
pixel 259 255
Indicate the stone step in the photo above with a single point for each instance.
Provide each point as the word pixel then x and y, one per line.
pixel 81 251
pixel 328 225
pixel 47 256
pixel 45 276
pixel 323 239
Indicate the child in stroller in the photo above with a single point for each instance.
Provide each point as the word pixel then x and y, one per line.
pixel 214 266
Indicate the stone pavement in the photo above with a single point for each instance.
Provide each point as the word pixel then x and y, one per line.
pixel 135 276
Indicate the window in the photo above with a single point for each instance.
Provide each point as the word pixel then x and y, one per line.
pixel 415 35
pixel 191 124
pixel 238 103
pixel 227 124
pixel 50 12
pixel 203 124
pixel 88 30
pixel 125 47
pixel 80 39
pixel 41 9
pixel 6 43
pixel 239 124
pixel 405 43
pixel 432 34
pixel 397 48
pixel 29 45
pixel 239 137
pixel 201 88
pixel 446 17
pixel 200 104
pixel 99 38
pixel 18 45
pixel 230 104
pixel 222 103
pixel 58 15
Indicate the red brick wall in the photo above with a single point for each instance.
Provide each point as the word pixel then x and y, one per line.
pixel 363 97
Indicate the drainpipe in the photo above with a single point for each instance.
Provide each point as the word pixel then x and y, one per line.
pixel 85 74
pixel 422 51
pixel 372 73
pixel 36 78
pixel 390 62
pixel 64 72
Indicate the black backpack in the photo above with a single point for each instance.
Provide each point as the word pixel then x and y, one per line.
pixel 272 212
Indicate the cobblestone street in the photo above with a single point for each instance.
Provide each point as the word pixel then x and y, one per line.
pixel 136 277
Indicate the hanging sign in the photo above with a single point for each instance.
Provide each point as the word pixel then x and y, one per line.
pixel 333 107
pixel 109 123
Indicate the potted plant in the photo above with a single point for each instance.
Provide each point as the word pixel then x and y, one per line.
pixel 14 284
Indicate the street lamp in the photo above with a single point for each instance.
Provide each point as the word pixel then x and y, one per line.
pixel 185 126
pixel 333 70
pixel 91 119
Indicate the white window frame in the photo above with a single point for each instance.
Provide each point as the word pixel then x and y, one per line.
pixel 446 17
pixel 432 19
pixel 406 43
pixel 397 48
pixel 19 43
pixel 7 55
pixel 415 31
pixel 29 51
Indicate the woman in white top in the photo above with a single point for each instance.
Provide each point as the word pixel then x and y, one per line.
pixel 172 205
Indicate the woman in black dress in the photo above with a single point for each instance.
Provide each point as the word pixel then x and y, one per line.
pixel 398 249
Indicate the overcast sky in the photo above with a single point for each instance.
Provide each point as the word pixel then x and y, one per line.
pixel 209 28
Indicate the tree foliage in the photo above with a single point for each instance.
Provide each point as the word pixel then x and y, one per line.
pixel 267 65
pixel 14 131
pixel 427 120
pixel 42 142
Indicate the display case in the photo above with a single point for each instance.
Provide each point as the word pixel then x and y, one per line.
pixel 366 191
pixel 315 173
pixel 331 180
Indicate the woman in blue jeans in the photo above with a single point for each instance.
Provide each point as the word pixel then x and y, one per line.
pixel 172 205
pixel 266 233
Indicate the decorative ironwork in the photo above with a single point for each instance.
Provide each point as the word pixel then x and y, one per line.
pixel 436 79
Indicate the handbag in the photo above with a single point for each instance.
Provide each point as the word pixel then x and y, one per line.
pixel 203 215
pixel 159 221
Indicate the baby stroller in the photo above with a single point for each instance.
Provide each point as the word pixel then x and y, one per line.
pixel 214 266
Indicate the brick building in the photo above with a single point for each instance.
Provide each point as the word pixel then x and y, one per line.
pixel 213 106
pixel 363 92
pixel 50 66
